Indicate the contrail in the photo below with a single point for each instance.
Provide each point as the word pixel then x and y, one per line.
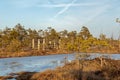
pixel 65 8
pixel 64 5
pixel 96 14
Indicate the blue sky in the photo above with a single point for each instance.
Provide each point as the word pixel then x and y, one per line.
pixel 98 15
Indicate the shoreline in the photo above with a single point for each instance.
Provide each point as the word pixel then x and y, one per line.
pixel 43 53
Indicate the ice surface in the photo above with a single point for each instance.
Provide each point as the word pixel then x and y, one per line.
pixel 35 63
pixel 38 63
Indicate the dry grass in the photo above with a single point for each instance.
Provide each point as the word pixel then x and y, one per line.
pixel 4 54
pixel 29 53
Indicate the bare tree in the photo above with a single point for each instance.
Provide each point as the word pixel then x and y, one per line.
pixel 118 21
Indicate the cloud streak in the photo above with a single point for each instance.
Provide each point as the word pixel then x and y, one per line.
pixel 64 5
pixel 96 13
pixel 65 8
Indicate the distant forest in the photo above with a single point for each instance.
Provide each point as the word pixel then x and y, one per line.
pixel 19 39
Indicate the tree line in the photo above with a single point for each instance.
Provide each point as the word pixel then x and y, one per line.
pixel 19 39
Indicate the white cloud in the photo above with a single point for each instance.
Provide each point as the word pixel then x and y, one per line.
pixel 96 12
pixel 69 22
pixel 24 3
pixel 75 21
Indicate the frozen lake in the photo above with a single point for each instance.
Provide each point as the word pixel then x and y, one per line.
pixel 38 63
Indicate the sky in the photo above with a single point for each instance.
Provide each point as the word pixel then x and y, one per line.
pixel 99 16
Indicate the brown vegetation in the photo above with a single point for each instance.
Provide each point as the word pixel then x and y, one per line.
pixel 77 70
pixel 18 41
pixel 30 53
